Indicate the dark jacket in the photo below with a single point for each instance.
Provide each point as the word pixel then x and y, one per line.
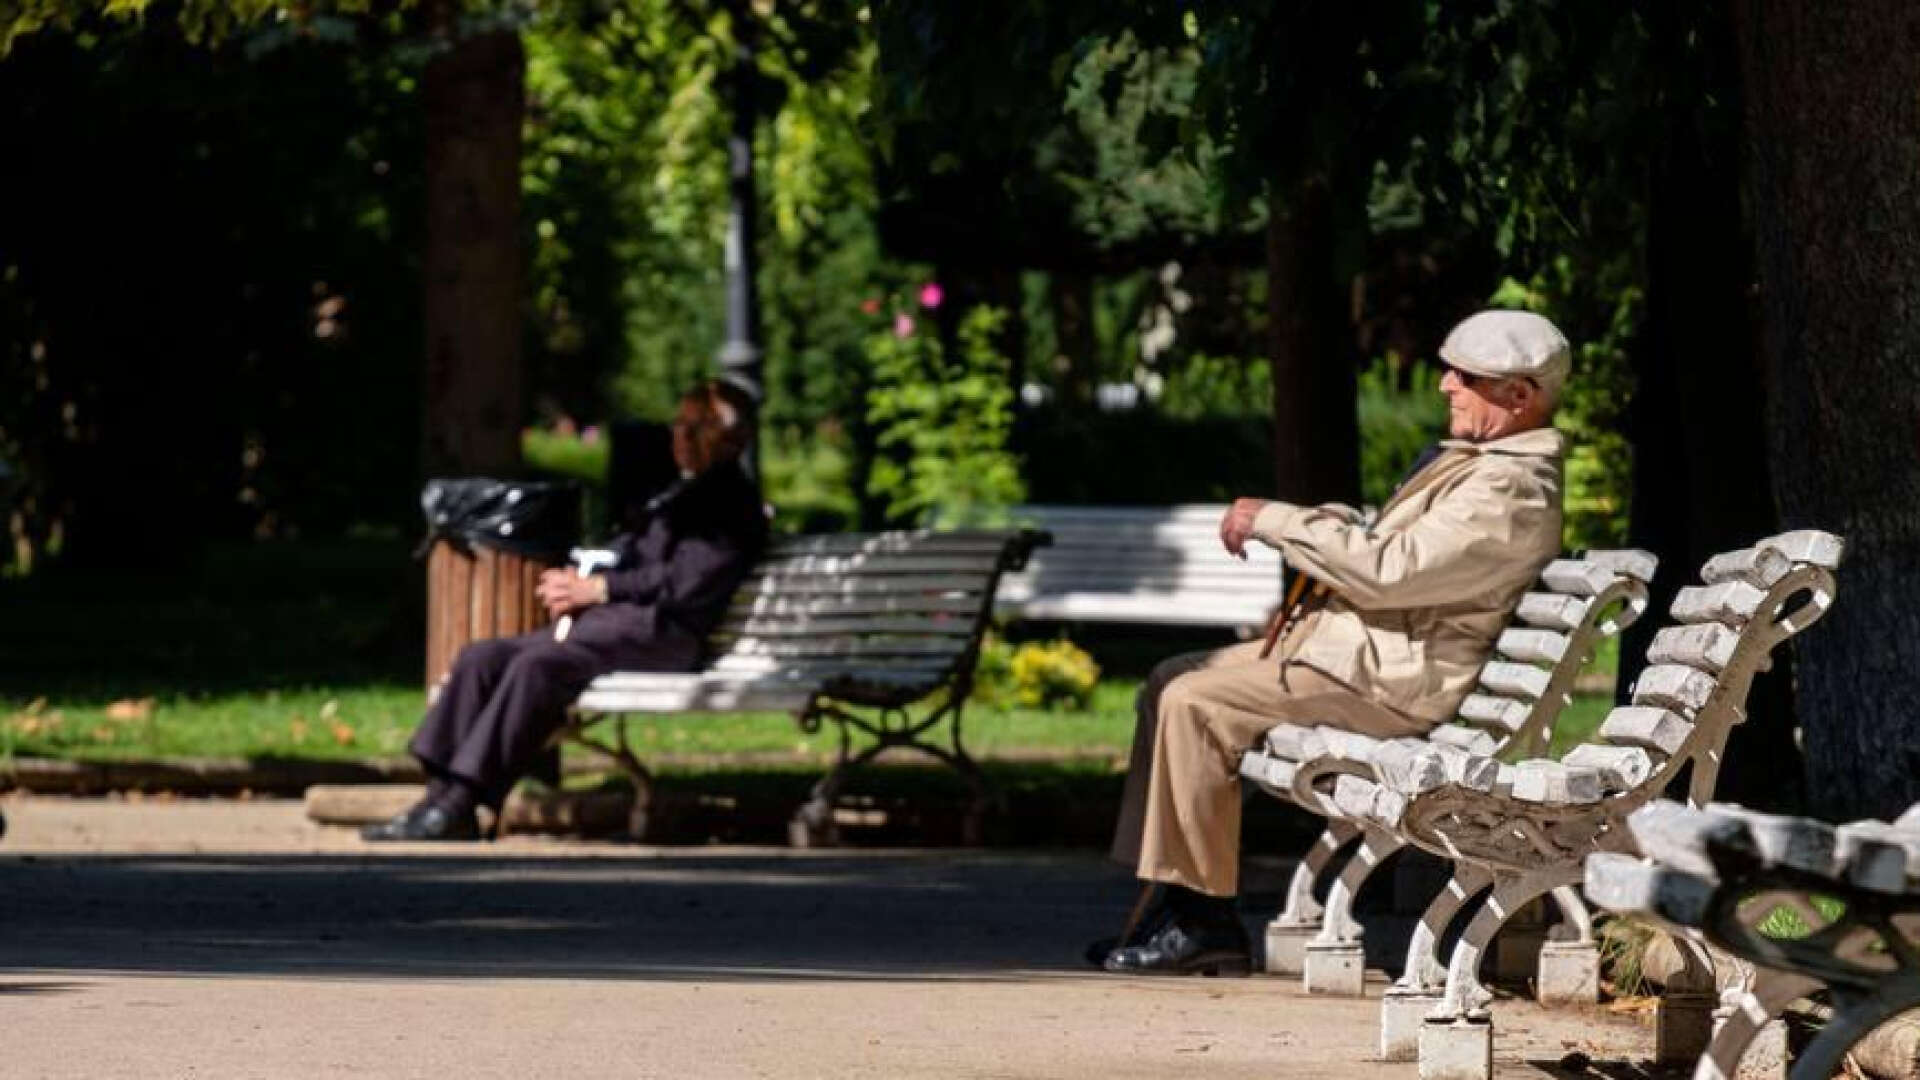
pixel 679 569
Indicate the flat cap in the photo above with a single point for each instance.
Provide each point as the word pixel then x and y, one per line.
pixel 1510 345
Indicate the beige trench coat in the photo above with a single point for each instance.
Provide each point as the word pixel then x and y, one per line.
pixel 1418 597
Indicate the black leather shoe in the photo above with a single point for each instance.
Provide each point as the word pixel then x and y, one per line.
pixel 1188 947
pixel 425 822
pixel 1154 921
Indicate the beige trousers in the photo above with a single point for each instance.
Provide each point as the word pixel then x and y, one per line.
pixel 1196 714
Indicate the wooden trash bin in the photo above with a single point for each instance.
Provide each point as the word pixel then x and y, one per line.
pixel 487 543
pixel 476 594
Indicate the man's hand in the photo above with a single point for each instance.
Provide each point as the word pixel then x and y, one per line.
pixel 562 592
pixel 1237 526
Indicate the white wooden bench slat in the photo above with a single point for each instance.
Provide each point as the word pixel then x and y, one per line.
pixel 1471 740
pixel 1491 710
pixel 962 542
pixel 1555 611
pixel 1532 645
pixel 950 585
pixel 1621 768
pixel 1555 783
pixel 1730 602
pixel 875 565
pixel 1577 577
pixel 1051 515
pixel 1674 686
pixel 1810 546
pixel 918 603
pixel 1628 562
pixel 860 647
pixel 1514 680
pixel 1145 564
pixel 1093 607
pixel 1708 646
pixel 1647 727
pixel 1759 566
pixel 801 626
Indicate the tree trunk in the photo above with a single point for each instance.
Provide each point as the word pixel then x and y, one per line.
pixel 1701 481
pixel 1834 129
pixel 474 94
pixel 1316 427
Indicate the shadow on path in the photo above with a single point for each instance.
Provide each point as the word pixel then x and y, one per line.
pixel 678 916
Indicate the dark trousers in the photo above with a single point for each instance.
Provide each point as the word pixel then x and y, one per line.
pixel 506 697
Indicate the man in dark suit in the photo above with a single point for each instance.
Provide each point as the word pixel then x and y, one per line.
pixel 505 698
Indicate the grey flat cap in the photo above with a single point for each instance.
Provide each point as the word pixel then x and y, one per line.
pixel 1510 344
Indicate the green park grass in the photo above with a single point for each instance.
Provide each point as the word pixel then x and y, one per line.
pixel 372 721
pixel 313 651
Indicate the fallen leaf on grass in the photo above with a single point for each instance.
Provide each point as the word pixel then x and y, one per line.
pixel 130 709
pixel 298 729
pixel 33 723
pixel 330 709
pixel 343 733
pixel 102 733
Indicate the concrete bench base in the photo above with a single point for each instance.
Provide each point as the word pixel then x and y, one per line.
pixel 1456 1049
pixel 1287 946
pixel 1337 969
pixel 1403 1014
pixel 1569 973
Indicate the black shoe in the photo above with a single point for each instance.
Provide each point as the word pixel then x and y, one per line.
pixel 425 822
pixel 1188 946
pixel 1154 921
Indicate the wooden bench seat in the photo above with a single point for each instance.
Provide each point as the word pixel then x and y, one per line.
pixel 1520 692
pixel 1161 565
pixel 877 633
pixel 1718 879
pixel 1517 831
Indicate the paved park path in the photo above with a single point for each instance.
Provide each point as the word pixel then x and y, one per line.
pixel 161 938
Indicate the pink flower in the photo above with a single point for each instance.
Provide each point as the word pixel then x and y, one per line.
pixel 590 435
pixel 870 306
pixel 903 326
pixel 931 294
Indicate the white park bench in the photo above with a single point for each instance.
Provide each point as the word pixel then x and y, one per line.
pixel 1140 564
pixel 1517 832
pixel 1520 692
pixel 1720 877
pixel 877 633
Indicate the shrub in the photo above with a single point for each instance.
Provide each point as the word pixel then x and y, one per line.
pixel 1053 675
pixel 943 417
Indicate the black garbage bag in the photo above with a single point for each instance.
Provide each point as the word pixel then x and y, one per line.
pixel 533 519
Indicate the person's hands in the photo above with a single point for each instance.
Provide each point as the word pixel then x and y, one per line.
pixel 1237 526
pixel 562 592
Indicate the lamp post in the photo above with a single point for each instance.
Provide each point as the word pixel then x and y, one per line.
pixel 740 355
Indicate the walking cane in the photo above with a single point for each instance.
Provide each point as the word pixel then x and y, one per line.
pixel 1285 615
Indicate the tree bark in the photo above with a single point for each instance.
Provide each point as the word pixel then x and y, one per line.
pixel 1316 426
pixel 475 99
pixel 1833 125
pixel 1701 481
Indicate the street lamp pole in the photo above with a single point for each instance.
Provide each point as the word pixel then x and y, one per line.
pixel 740 355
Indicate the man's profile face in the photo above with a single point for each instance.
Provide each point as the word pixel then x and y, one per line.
pixel 686 423
pixel 1482 407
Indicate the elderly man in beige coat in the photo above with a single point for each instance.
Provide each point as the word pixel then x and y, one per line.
pixel 1402 613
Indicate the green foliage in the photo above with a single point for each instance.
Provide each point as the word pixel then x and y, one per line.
pixel 1050 675
pixel 1599 480
pixel 809 482
pixel 943 417
pixel 1401 414
pixel 565 455
pixel 1206 386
